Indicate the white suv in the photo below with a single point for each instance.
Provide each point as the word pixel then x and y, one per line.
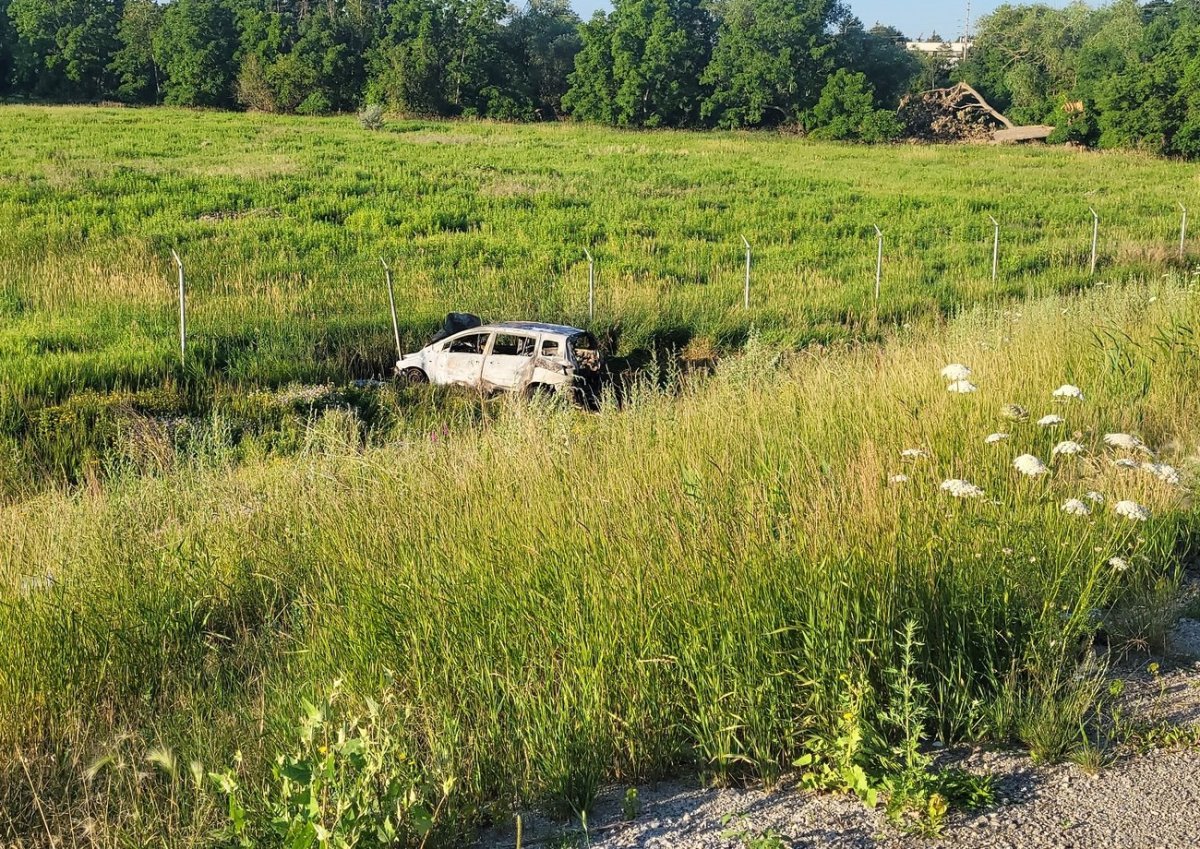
pixel 514 356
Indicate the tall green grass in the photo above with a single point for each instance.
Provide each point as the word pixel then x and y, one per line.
pixel 710 579
pixel 282 222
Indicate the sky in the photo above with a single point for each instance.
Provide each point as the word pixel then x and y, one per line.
pixel 913 18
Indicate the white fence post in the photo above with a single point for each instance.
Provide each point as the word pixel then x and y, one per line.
pixel 1183 232
pixel 1095 235
pixel 182 309
pixel 591 285
pixel 387 273
pixel 995 248
pixel 878 264
pixel 746 293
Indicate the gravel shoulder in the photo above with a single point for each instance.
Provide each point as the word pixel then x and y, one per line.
pixel 1142 801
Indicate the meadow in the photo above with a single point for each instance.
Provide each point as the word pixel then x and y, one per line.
pixel 389 615
pixel 282 223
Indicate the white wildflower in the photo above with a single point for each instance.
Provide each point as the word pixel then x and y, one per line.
pixel 962 387
pixel 956 371
pixel 994 438
pixel 1050 420
pixel 1014 411
pixel 1124 441
pixel 898 479
pixel 1095 497
pixel 1069 391
pixel 914 453
pixel 1165 473
pixel 1119 564
pixel 1067 446
pixel 1131 510
pixel 1029 465
pixel 1075 507
pixel 1125 463
pixel 961 488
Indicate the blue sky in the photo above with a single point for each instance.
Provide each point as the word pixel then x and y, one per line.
pixel 946 17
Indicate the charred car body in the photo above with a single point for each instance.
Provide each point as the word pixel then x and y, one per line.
pixel 512 356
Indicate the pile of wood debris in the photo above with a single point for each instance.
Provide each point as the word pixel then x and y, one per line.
pixel 959 114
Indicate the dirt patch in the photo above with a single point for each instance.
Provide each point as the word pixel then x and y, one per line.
pixel 235 214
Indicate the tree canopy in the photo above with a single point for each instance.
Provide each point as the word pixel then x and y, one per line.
pixel 1125 74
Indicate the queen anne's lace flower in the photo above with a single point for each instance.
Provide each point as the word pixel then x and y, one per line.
pixel 1095 497
pixel 1029 465
pixel 1015 412
pixel 1068 391
pixel 1050 420
pixel 1165 473
pixel 914 453
pixel 962 387
pixel 994 438
pixel 1124 441
pixel 898 479
pixel 956 371
pixel 1075 507
pixel 1131 510
pixel 961 488
pixel 1125 463
pixel 1119 564
pixel 1067 446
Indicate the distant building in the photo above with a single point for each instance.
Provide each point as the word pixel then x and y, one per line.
pixel 952 51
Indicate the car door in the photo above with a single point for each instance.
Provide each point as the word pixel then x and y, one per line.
pixel 461 358
pixel 509 362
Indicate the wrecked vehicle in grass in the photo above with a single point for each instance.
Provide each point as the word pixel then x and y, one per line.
pixel 513 356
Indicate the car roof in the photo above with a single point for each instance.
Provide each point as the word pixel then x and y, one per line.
pixel 532 327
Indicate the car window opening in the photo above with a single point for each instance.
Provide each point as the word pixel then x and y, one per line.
pixel 512 346
pixel 473 344
pixel 586 351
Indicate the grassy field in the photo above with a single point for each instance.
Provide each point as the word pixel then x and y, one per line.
pixel 282 222
pixel 561 600
pixel 278 610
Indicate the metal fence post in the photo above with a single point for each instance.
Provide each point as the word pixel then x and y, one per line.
pixel 387 274
pixel 182 309
pixel 1183 232
pixel 995 248
pixel 878 264
pixel 746 293
pixel 591 285
pixel 1095 235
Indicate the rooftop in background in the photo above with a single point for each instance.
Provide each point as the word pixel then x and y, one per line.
pixel 952 52
pixel 954 48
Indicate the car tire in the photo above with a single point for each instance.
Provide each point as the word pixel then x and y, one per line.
pixel 413 376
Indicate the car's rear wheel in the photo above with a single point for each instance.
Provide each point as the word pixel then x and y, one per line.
pixel 413 376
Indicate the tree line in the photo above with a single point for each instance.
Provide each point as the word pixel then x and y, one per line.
pixel 679 63
pixel 1126 74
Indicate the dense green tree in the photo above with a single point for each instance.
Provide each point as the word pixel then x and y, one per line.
pixel 648 74
pixel 846 111
pixel 771 60
pixel 7 44
pixel 133 67
pixel 591 90
pixel 66 45
pixel 1025 57
pixel 475 59
pixel 407 69
pixel 880 54
pixel 541 42
pixel 195 47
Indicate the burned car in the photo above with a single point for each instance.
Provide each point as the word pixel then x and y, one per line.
pixel 512 356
